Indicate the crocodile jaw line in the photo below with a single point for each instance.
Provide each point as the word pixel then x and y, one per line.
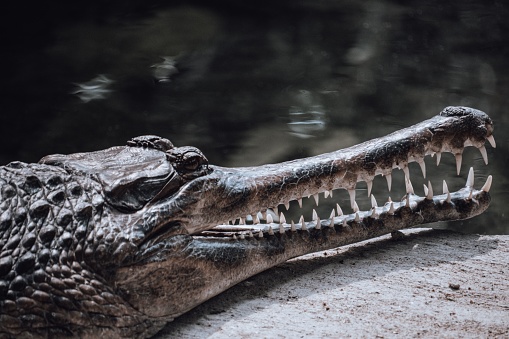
pixel 275 185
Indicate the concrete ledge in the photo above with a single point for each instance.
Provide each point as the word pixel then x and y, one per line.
pixel 431 283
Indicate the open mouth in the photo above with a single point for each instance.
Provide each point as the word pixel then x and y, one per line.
pixel 464 203
pixel 306 212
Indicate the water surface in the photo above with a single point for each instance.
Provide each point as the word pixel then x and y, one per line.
pixel 257 83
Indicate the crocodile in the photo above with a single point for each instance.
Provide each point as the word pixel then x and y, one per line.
pixel 119 242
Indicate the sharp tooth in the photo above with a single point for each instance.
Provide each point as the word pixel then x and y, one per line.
pixel 326 194
pixel 470 178
pixel 282 219
pixel 287 205
pixel 355 207
pixel 374 214
pixel 492 142
pixel 317 221
pixel 271 231
pixel 256 220
pixel 388 177
pixel 373 201
pixel 242 236
pixel 242 221
pixel 316 198
pixel 250 234
pixel 409 187
pixel 352 198
pixel 407 172
pixel 281 229
pixel 315 217
pixel 269 219
pixel 429 195
pixel 300 202
pixel 330 193
pixel 302 223
pixel 234 237
pixel 262 215
pixel 459 157
pixel 292 227
pixel 357 217
pixel 425 189
pixel 439 156
pixel 340 211
pixel 423 167
pixel 370 186
pixel 332 214
pixel 446 191
pixel 445 188
pixel 391 208
pixel 344 222
pixel 260 234
pixel 486 187
pixel 484 154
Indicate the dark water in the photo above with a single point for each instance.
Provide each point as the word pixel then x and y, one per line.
pixel 253 83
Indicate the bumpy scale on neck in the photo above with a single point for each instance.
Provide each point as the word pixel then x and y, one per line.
pixel 51 255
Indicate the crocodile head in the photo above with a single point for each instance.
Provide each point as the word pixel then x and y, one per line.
pixel 170 230
pixel 166 190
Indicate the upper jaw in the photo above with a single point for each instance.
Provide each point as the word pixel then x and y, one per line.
pixel 232 194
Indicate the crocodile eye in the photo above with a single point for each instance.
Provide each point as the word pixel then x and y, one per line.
pixel 191 163
pixel 188 161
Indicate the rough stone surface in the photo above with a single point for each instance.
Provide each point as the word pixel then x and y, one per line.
pixel 380 288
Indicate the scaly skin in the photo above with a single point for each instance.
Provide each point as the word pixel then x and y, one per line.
pixel 119 242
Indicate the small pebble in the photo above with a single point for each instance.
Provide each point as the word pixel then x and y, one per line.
pixel 454 286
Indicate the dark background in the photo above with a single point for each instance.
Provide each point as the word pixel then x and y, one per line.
pixel 255 82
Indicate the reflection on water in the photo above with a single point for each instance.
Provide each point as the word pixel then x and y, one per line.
pixel 307 116
pixel 165 69
pixel 95 89
pixel 311 77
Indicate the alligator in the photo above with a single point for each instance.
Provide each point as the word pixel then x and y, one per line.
pixel 120 241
